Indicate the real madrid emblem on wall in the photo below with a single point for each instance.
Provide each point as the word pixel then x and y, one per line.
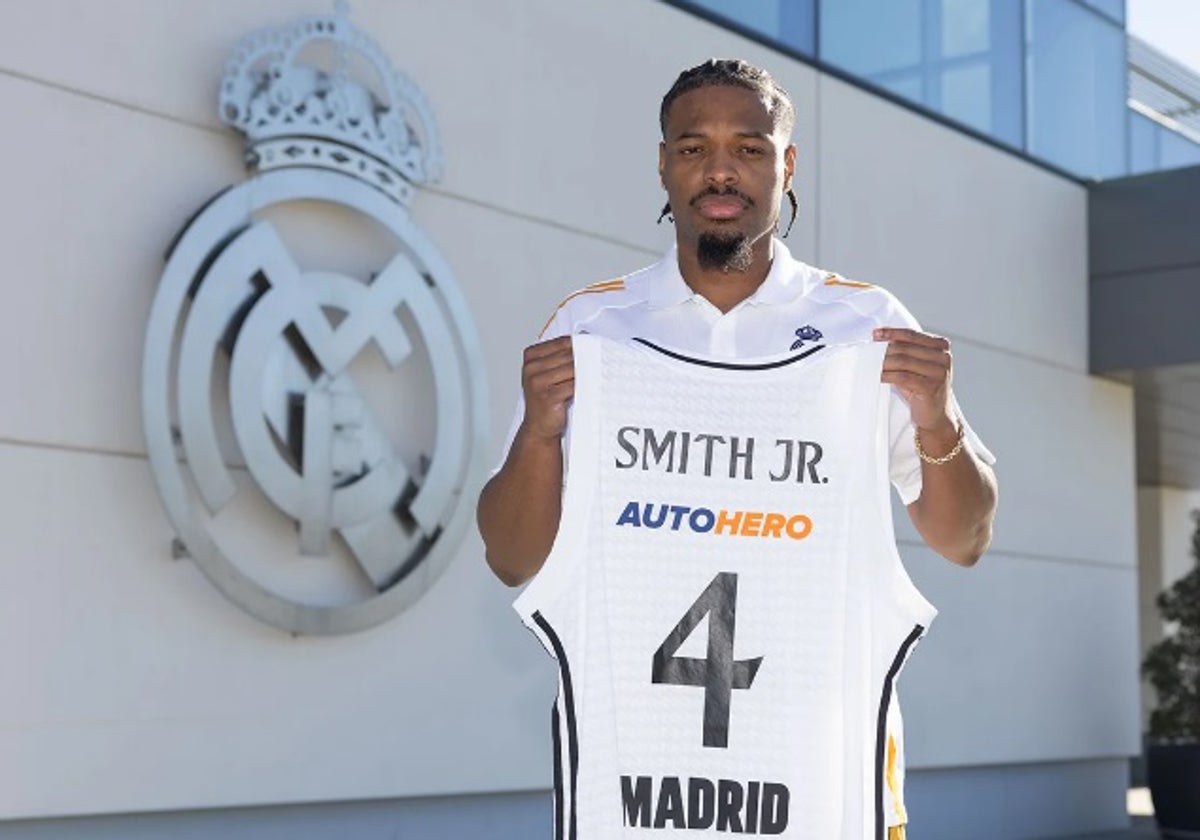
pixel 313 397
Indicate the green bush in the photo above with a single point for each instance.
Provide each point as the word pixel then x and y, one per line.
pixel 1173 665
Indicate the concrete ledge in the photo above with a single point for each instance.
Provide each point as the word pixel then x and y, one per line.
pixel 1019 802
pixel 493 817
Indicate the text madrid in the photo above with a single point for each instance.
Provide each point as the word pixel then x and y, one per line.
pixel 723 805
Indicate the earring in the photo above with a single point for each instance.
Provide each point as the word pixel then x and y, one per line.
pixel 666 214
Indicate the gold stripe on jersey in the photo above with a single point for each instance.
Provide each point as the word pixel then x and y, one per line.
pixel 892 783
pixel 594 289
pixel 834 280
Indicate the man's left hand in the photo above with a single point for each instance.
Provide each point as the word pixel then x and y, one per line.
pixel 920 367
pixel 957 505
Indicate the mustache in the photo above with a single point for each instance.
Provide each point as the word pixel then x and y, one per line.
pixel 726 192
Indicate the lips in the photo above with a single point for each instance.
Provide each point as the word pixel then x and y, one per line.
pixel 720 206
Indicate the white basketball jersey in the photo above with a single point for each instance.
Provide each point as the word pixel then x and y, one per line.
pixel 724 596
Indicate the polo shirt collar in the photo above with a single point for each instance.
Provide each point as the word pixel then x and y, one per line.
pixel 786 280
pixel 667 286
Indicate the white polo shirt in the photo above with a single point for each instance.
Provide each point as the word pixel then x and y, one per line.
pixel 797 305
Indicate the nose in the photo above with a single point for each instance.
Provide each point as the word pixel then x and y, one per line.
pixel 720 168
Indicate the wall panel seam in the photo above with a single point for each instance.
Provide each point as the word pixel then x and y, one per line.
pixel 553 224
pixel 225 133
pixel 78 449
pixel 1143 271
pixel 1016 354
pixel 108 100
pixel 996 553
pixel 1038 763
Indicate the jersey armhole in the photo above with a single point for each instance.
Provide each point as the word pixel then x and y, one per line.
pixel 916 606
pixel 563 562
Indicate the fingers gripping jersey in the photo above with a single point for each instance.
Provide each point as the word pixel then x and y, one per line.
pixel 724 597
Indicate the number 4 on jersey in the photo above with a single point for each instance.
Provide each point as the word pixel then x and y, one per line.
pixel 718 674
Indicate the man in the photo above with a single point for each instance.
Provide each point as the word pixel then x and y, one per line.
pixel 730 289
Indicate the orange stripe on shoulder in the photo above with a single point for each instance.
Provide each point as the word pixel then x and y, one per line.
pixel 594 289
pixel 834 280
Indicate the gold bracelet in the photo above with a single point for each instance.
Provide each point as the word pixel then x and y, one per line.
pixel 949 456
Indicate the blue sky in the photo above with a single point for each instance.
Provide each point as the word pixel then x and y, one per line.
pixel 1171 25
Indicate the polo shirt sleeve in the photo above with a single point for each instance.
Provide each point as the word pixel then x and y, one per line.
pixel 905 464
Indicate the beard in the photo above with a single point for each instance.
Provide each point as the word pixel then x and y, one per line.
pixel 727 252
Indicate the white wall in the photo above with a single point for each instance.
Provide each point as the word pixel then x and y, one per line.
pixel 992 252
pixel 135 686
pixel 976 242
pixel 131 683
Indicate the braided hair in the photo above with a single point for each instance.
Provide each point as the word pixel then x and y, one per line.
pixel 737 73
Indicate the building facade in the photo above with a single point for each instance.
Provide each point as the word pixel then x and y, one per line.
pixel 141 702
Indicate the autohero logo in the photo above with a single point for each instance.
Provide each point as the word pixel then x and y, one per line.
pixel 708 454
pixel 702 520
pixel 316 421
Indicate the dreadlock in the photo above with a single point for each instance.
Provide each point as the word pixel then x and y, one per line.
pixel 738 73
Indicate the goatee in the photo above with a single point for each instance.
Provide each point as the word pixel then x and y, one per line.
pixel 728 252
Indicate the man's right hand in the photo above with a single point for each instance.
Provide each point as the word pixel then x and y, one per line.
pixel 548 382
pixel 520 506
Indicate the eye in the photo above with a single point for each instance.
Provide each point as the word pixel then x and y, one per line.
pixel 689 150
pixel 753 150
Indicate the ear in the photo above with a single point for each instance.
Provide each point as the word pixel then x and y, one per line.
pixel 789 165
pixel 662 163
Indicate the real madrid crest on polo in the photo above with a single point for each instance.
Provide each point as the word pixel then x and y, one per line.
pixel 724 597
pixel 316 431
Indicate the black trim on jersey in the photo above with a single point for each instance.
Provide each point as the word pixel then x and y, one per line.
pixel 881 733
pixel 731 365
pixel 568 700
pixel 558 768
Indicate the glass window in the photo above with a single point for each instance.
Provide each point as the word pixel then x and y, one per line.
pixel 906 87
pixel 1143 144
pixel 965 29
pixel 1076 66
pixel 1115 9
pixel 1176 150
pixel 790 22
pixel 961 58
pixel 965 96
pixel 873 38
pixel 1047 77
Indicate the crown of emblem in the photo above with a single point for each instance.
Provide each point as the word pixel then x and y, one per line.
pixel 806 333
pixel 298 114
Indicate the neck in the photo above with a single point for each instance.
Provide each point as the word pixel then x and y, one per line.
pixel 722 288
